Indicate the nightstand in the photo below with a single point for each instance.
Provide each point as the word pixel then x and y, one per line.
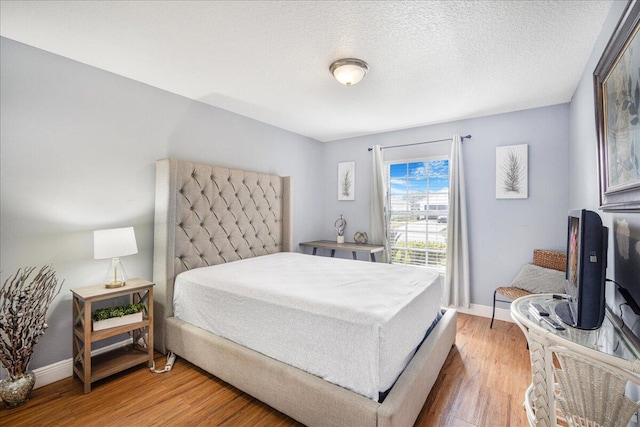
pixel 90 369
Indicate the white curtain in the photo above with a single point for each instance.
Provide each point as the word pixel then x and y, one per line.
pixel 378 203
pixel 456 288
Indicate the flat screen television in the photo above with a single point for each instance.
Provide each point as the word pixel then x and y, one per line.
pixel 587 241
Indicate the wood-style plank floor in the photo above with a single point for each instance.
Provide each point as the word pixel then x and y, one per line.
pixel 482 384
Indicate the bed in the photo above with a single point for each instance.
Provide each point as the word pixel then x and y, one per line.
pixel 207 216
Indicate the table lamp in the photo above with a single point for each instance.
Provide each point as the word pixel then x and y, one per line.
pixel 114 243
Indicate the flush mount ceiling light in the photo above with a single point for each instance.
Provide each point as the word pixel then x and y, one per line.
pixel 349 71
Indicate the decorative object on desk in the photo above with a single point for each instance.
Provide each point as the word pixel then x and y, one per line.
pixel 617 98
pixel 114 243
pixel 111 317
pixel 340 225
pixel 347 181
pixel 360 237
pixel 23 310
pixel 511 172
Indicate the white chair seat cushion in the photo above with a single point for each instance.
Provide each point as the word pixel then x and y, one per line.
pixel 539 280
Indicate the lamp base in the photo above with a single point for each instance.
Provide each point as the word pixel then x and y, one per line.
pixel 115 285
pixel 116 276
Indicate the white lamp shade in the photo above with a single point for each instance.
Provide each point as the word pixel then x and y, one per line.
pixel 114 243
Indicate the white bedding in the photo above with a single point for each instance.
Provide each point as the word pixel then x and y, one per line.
pixel 355 324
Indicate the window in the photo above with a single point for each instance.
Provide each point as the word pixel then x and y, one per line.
pixel 418 206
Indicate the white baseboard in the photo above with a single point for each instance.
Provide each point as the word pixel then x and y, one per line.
pixel 64 368
pixel 54 372
pixel 485 311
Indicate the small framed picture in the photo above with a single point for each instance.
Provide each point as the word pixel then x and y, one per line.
pixel 347 181
pixel 511 172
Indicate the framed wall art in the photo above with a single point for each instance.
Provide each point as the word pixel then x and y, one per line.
pixel 511 172
pixel 617 102
pixel 347 181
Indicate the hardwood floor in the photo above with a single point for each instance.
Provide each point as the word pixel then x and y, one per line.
pixel 482 384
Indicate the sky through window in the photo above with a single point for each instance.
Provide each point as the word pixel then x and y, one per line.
pixel 417 177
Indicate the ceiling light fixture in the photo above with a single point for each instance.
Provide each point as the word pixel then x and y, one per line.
pixel 349 71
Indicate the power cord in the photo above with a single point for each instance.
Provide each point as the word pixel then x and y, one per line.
pixel 613 281
pixel 627 297
pixel 621 319
pixel 621 314
pixel 171 358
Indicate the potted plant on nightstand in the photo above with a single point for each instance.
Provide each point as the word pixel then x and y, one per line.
pixel 23 310
pixel 111 317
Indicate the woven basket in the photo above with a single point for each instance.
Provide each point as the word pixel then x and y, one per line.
pixel 550 259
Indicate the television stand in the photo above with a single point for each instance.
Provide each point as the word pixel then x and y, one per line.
pixel 607 344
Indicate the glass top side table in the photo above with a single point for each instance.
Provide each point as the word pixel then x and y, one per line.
pixel 607 344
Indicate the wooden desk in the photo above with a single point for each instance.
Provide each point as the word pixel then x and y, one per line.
pixel 347 246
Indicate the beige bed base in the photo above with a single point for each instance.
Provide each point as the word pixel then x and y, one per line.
pixel 305 397
pixel 180 245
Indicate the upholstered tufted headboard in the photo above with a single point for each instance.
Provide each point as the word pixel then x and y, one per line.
pixel 207 215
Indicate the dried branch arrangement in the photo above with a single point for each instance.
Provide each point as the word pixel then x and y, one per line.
pixel 512 172
pixel 23 310
pixel 345 183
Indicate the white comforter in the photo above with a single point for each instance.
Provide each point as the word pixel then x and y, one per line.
pixel 355 324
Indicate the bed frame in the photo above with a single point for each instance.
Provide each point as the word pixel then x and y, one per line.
pixel 208 215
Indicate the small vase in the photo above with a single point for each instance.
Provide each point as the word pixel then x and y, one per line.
pixel 16 393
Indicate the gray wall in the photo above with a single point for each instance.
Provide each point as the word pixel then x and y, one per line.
pixel 78 150
pixel 624 228
pixel 502 233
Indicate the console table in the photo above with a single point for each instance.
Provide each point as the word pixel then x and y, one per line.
pixel 347 246
pixel 608 346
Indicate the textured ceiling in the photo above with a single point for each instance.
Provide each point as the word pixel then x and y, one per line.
pixel 430 61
